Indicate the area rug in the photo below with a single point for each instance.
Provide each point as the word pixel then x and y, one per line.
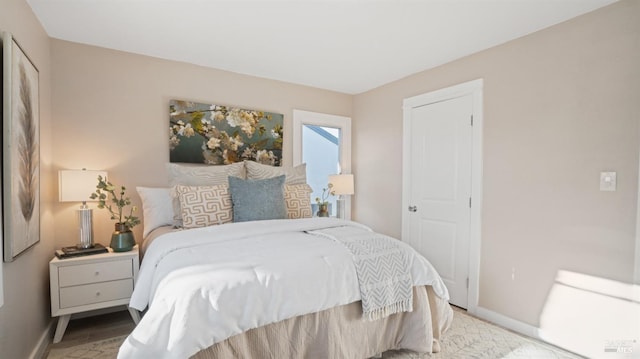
pixel 468 337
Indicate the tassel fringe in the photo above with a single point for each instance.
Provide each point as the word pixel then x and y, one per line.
pixel 379 313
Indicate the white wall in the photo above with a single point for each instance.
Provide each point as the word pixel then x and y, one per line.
pixel 560 106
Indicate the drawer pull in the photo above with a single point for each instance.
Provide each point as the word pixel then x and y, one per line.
pixel 97 273
pixel 97 294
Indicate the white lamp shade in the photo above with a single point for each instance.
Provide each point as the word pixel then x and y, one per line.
pixel 78 185
pixel 342 184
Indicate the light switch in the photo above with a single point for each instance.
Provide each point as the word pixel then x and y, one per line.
pixel 607 181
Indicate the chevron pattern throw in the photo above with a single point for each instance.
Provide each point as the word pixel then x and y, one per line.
pixel 382 267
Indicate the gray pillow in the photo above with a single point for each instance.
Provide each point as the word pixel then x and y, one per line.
pixel 257 199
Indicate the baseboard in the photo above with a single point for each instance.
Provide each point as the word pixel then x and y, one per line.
pixel 43 342
pixel 507 322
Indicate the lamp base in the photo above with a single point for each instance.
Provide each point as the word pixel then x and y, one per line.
pixel 340 210
pixel 85 227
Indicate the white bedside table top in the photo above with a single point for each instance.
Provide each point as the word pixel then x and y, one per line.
pixel 110 255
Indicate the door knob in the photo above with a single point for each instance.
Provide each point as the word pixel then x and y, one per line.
pixel 413 209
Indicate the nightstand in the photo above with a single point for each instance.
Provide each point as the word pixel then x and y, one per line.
pixel 91 282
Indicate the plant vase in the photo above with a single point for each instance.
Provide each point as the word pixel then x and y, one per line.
pixel 122 239
pixel 323 210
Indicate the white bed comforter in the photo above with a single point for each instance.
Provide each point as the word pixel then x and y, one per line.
pixel 205 285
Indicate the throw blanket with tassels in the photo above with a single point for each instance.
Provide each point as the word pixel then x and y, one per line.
pixel 382 267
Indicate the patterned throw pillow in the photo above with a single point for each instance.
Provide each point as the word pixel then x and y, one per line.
pixel 297 198
pixel 199 175
pixel 204 205
pixel 203 175
pixel 294 175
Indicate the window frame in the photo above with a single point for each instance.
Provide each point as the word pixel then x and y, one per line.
pixel 301 118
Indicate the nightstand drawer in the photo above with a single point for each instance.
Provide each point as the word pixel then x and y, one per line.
pixel 95 293
pixel 94 272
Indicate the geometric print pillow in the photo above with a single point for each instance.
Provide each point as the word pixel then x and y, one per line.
pixel 199 175
pixel 202 206
pixel 297 199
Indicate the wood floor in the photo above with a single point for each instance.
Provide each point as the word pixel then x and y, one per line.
pixel 95 328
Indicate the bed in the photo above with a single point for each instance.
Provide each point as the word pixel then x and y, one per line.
pixel 273 288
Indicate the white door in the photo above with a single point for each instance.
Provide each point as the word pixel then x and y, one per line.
pixel 440 189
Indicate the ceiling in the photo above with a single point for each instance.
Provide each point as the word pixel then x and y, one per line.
pixel 349 46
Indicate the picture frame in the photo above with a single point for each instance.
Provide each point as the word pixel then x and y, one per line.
pixel 21 149
pixel 220 135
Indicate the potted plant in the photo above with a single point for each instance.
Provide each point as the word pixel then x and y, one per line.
pixel 122 239
pixel 323 204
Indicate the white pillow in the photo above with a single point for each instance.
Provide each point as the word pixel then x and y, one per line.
pixel 157 208
pixel 294 175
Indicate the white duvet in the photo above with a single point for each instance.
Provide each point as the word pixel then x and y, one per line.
pixel 205 285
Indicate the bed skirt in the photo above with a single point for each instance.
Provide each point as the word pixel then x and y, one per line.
pixel 341 332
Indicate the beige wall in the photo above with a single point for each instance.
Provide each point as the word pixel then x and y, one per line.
pixel 111 113
pixel 560 106
pixel 26 312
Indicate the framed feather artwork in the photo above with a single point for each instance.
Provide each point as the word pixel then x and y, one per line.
pixel 20 150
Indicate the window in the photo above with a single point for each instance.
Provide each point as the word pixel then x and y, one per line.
pixel 321 153
pixel 323 142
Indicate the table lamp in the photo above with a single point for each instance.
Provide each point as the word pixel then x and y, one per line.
pixel 342 186
pixel 77 186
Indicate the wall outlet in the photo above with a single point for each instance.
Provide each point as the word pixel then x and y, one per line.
pixel 607 181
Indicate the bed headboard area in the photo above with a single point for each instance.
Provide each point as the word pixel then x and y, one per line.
pixel 211 144
pixel 200 195
pixel 220 135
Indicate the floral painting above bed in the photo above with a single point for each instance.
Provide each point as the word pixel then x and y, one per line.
pixel 217 135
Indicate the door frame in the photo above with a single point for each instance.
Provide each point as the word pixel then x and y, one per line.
pixel 475 89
